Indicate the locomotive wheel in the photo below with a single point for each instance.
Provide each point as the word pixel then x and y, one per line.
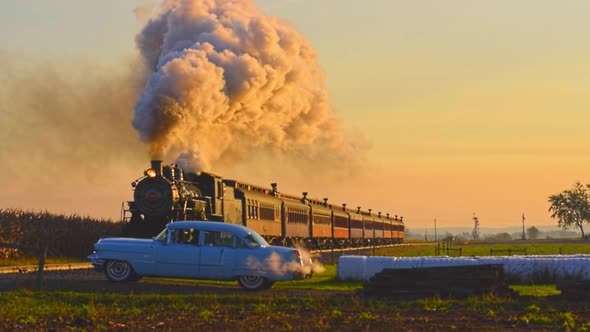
pixel 253 283
pixel 120 271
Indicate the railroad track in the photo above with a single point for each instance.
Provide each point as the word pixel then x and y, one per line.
pixel 325 256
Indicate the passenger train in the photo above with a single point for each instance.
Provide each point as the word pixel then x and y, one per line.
pixel 166 193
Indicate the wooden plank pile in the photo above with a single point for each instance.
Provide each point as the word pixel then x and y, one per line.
pixel 446 281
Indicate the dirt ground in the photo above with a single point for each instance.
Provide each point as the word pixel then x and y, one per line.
pixel 292 309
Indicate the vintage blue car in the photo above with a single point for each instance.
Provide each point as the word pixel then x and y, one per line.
pixel 200 250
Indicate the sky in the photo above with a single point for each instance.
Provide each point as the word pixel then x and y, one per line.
pixel 470 108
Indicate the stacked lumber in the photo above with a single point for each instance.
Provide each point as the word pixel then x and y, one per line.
pixel 444 281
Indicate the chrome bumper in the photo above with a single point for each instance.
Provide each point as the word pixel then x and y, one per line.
pixel 97 262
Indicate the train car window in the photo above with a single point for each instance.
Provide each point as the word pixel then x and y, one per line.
pixel 354 223
pixel 341 222
pixel 321 219
pixel 267 212
pixel 298 216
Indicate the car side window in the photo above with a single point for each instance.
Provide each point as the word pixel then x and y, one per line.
pixel 184 236
pixel 219 239
pixel 240 243
pixel 252 241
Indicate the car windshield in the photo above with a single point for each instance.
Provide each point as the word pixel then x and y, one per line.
pixel 254 240
pixel 162 236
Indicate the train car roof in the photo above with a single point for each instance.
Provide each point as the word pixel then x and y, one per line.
pixel 265 192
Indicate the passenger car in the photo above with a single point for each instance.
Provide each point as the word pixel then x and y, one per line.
pixel 200 250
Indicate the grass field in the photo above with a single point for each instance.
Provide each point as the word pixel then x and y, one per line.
pixel 538 247
pixel 318 304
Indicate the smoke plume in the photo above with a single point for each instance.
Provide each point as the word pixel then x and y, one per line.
pixel 65 140
pixel 228 80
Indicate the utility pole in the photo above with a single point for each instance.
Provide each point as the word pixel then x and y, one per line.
pixel 435 237
pixel 523 234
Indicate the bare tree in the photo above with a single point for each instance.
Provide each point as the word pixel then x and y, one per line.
pixel 571 207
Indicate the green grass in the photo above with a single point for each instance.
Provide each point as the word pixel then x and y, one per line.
pixel 538 247
pixel 322 281
pixel 536 290
pixel 99 310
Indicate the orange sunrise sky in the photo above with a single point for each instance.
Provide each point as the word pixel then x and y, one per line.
pixel 469 107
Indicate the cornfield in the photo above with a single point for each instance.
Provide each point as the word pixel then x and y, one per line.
pixel 65 236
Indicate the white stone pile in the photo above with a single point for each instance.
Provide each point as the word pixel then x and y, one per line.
pixel 516 268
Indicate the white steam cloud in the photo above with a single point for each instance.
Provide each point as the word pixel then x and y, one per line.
pixel 227 80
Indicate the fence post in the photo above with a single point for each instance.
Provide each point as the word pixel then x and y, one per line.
pixel 42 253
pixel 332 254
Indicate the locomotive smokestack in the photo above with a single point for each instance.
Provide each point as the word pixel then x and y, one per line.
pixel 157 165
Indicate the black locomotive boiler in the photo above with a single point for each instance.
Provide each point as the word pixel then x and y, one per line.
pixel 167 193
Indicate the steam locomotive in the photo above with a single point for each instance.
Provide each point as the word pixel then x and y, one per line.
pixel 166 193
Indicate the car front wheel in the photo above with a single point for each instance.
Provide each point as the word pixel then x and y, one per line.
pixel 120 271
pixel 253 283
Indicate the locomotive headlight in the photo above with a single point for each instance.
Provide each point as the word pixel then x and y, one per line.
pixel 151 173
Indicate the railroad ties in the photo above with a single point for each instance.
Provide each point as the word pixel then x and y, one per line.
pixel 447 281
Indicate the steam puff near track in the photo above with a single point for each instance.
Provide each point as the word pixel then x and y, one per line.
pixel 280 267
pixel 227 80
